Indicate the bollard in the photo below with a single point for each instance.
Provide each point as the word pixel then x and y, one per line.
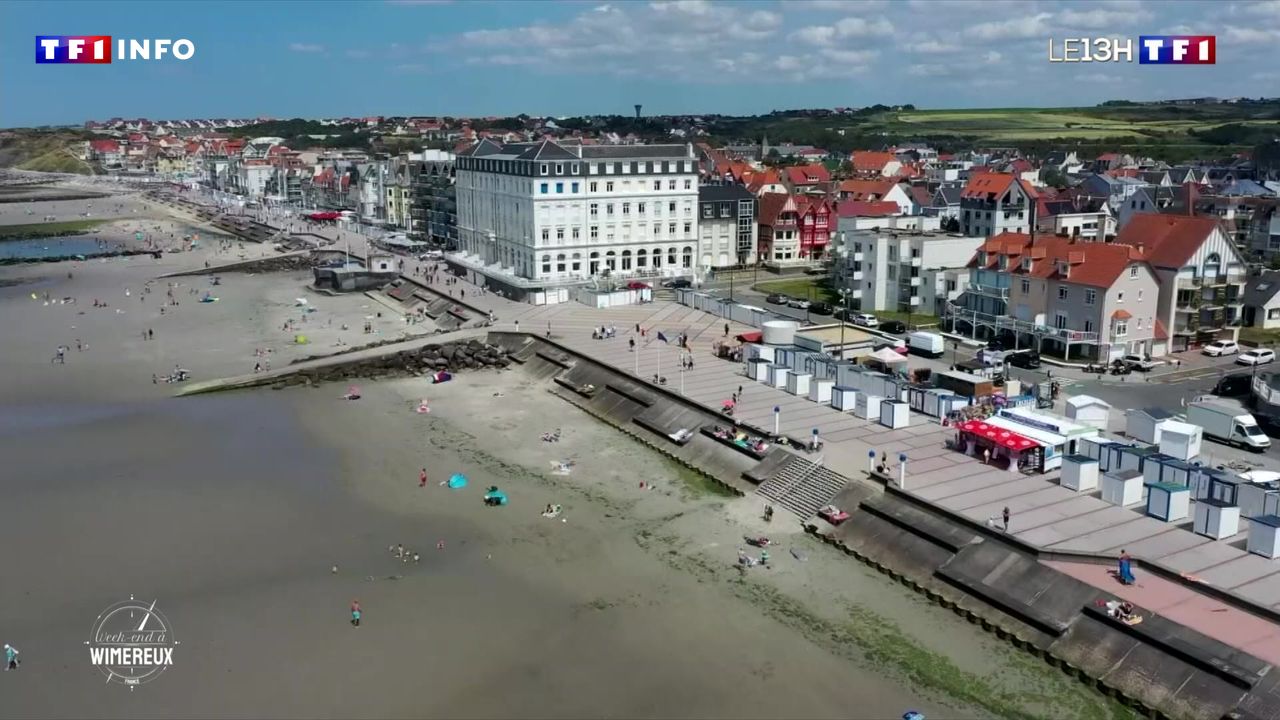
pixel 871 460
pixel 902 471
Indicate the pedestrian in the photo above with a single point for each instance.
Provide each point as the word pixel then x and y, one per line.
pixel 739 391
pixel 79 345
pixel 548 329
pixel 151 334
pixel 1005 516
pixel 517 326
pixel 355 613
pixel 11 660
pixel 637 328
pixel 422 478
pixel 632 343
pixel 154 380
pixel 986 456
pixel 726 329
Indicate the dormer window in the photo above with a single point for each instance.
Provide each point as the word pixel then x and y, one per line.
pixel 1026 264
pixel 1064 268
pixel 1004 262
pixel 982 257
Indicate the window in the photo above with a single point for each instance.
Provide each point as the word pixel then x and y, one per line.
pixel 626 209
pixel 546 234
pixel 671 208
pixel 688 228
pixel 1139 323
pixel 546 263
pixel 595 209
pixel 657 229
pixel 593 186
pixel 608 209
pixel 577 262
pixel 1088 326
pixel 560 234
pixel 671 228
pixel 688 184
pixel 640 208
pixel 1060 321
pixel 707 211
pixel 1090 296
pixel 575 188
pixel 657 184
pixel 560 263
pixel 559 188
pixel 1120 297
pixel 595 232
pixel 1133 271
pixel 576 232
pixel 1062 293
pixel 545 188
pixel 1122 328
pixel 559 168
pixel 608 187
pixel 671 184
pixel 544 172
pixel 1026 286
pixel 1139 300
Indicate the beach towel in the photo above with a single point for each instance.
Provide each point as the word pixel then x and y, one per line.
pixel 457 481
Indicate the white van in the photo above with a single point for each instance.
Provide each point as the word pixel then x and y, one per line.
pixel 927 344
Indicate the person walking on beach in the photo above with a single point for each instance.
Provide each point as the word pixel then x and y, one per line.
pixel 422 478
pixel 355 613
pixel 11 660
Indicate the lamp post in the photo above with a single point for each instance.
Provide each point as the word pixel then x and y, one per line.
pixel 777 421
pixel 844 318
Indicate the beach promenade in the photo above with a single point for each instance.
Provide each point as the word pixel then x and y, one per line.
pixel 1043 514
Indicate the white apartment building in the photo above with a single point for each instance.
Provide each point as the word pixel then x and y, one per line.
pixel 546 214
pixel 887 269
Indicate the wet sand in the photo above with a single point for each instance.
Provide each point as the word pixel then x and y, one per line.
pixel 230 510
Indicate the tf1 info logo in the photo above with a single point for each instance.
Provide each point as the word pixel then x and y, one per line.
pixel 96 49
pixel 1151 50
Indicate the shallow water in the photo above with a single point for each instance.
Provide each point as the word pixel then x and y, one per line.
pixel 38 248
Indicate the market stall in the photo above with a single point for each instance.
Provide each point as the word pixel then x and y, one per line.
pixel 1008 448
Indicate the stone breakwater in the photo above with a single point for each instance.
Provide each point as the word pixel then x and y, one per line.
pixel 453 356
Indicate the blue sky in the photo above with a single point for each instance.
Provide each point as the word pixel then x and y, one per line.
pixel 436 57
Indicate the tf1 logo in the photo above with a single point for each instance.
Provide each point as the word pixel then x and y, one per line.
pixel 1152 50
pixel 96 49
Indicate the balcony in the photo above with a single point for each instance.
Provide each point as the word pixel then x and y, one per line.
pixel 856 275
pixel 917 262
pixel 988 290
pixel 856 257
pixel 1004 322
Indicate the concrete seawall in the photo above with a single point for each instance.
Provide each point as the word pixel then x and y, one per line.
pixel 1159 667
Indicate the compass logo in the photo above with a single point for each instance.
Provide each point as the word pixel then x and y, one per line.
pixel 131 643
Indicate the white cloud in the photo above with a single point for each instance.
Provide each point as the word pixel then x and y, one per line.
pixel 1099 18
pixel 1252 35
pixel 358 54
pixel 815 35
pixel 306 47
pixel 1265 8
pixel 929 70
pixel 859 27
pixel 1103 78
pixel 931 47
pixel 411 69
pixel 844 5
pixel 993 57
pixel 1014 28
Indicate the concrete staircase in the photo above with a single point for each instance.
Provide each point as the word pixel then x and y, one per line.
pixel 803 486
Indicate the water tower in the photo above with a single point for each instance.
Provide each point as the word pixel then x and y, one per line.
pixel 638 111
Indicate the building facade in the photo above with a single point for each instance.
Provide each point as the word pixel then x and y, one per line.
pixel 888 269
pixel 562 214
pixel 994 203
pixel 726 226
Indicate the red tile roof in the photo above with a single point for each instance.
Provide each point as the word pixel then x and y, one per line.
pixel 1167 240
pixel 771 205
pixel 867 190
pixel 921 195
pixel 1121 315
pixel 1091 263
pixel 984 184
pixel 808 174
pixel 859 208
pixel 865 161
pixel 104 145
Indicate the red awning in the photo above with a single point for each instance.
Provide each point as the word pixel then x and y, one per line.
pixel 325 216
pixel 751 337
pixel 999 436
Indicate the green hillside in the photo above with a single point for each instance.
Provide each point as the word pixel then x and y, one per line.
pixel 47 151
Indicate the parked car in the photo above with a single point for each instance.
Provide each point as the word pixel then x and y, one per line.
pixel 865 320
pixel 1140 362
pixel 1026 359
pixel 777 299
pixel 1221 347
pixel 1256 356
pixel 896 327
pixel 798 303
pixel 1237 385
pixel 996 344
pixel 897 345
pixel 678 283
pixel 821 308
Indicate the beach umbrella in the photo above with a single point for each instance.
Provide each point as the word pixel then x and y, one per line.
pixel 457 480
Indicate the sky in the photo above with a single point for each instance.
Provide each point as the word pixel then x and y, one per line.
pixel 477 57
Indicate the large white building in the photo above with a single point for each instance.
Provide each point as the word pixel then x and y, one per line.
pixel 901 270
pixel 546 214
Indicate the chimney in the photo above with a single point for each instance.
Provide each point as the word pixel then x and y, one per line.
pixel 1191 198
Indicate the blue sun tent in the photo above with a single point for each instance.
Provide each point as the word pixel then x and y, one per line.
pixel 458 480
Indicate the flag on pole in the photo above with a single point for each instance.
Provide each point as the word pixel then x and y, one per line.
pixel 662 337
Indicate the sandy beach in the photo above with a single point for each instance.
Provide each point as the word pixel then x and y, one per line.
pixel 231 510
